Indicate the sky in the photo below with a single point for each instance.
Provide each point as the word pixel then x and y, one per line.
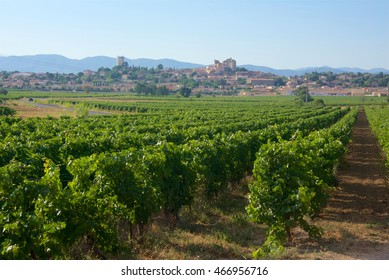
pixel 282 34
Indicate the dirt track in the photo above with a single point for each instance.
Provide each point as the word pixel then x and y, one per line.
pixel 361 205
pixel 364 194
pixel 356 220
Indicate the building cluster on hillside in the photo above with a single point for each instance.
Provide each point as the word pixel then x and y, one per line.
pixel 220 78
pixel 228 65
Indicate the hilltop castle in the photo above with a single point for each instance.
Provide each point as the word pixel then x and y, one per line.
pixel 218 67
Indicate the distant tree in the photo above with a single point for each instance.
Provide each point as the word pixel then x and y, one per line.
pixel 133 76
pixel 242 81
pixel 160 67
pixel 188 82
pixel 331 76
pixel 367 83
pixel 313 77
pixel 162 90
pixel 302 93
pixel 114 75
pixel 380 75
pixel 3 91
pixel 140 88
pixel 148 89
pixel 5 74
pixel 151 89
pixel 51 76
pixel 87 88
pixel 185 92
pixel 192 83
pixel 279 82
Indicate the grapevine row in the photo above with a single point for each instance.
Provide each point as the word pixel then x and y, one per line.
pixel 63 181
pixel 379 121
pixel 292 180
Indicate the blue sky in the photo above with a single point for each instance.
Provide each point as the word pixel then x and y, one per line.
pixel 274 33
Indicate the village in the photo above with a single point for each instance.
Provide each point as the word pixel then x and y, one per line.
pixel 220 78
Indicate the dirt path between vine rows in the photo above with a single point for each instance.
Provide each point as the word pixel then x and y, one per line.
pixel 356 220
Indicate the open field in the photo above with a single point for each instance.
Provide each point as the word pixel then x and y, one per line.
pixel 41 109
pixel 27 109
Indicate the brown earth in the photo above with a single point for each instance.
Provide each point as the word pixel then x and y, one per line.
pixel 25 109
pixel 356 220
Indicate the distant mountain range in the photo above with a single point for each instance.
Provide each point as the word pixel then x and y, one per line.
pixel 53 63
pixel 302 71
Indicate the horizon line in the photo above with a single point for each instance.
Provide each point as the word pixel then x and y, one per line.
pixel 200 64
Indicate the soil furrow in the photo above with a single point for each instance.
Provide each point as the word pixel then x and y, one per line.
pixel 356 219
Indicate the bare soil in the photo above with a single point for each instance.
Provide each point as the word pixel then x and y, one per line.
pixel 26 109
pixel 356 220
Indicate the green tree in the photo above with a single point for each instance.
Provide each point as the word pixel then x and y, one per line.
pixel 313 77
pixel 87 88
pixel 279 82
pixel 114 75
pixel 3 91
pixel 331 76
pixel 185 91
pixel 242 81
pixel 302 93
pixel 162 90
pixel 140 88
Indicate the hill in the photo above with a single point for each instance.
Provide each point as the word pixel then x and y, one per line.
pixel 302 71
pixel 54 63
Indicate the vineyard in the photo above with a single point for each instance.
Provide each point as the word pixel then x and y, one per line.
pixel 101 180
pixel 379 121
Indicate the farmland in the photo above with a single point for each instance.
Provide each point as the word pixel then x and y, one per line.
pixel 165 171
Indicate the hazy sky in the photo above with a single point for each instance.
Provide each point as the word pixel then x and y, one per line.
pixel 274 33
